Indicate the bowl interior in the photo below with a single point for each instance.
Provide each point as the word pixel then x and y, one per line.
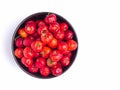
pixel 41 16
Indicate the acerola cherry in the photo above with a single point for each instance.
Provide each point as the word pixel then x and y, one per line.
pixel 57 70
pixel 22 33
pixel 19 42
pixel 42 29
pixel 18 52
pixel 27 41
pixel 64 26
pixel 68 35
pixel 33 69
pixel 55 55
pixel 28 52
pixel 50 18
pixel 65 61
pixel 40 62
pixel 53 43
pixel 37 46
pixel 27 61
pixel 45 71
pixel 30 27
pixel 62 46
pixel 72 45
pixel 54 27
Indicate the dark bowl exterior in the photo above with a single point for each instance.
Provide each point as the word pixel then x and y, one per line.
pixel 36 16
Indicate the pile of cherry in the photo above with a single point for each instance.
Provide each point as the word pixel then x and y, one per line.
pixel 45 46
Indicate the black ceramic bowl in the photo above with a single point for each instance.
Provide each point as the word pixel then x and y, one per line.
pixel 37 16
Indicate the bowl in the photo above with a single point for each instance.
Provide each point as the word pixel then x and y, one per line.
pixel 41 16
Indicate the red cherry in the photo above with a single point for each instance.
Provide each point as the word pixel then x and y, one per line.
pixel 33 69
pixel 72 45
pixel 55 55
pixel 27 61
pixel 40 62
pixel 62 46
pixel 40 23
pixel 46 37
pixel 19 42
pixel 54 27
pixel 68 53
pixel 27 41
pixel 45 71
pixel 28 52
pixel 50 18
pixel 18 52
pixel 68 35
pixel 37 46
pixel 30 27
pixel 65 61
pixel 42 29
pixel 60 35
pixel 64 26
pixel 57 70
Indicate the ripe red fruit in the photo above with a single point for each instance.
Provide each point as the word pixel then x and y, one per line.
pixel 36 54
pixel 19 42
pixel 33 69
pixel 68 35
pixel 40 62
pixel 64 26
pixel 45 52
pixel 30 27
pixel 22 33
pixel 54 27
pixel 62 46
pixel 46 37
pixel 68 53
pixel 55 55
pixel 72 45
pixel 27 61
pixel 53 43
pixel 50 63
pixel 60 35
pixel 50 18
pixel 18 52
pixel 37 45
pixel 35 35
pixel 45 71
pixel 56 70
pixel 65 61
pixel 27 41
pixel 42 29
pixel 40 23
pixel 28 52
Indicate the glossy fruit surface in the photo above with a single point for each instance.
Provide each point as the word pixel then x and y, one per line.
pixel 18 52
pixel 64 26
pixel 37 46
pixel 55 55
pixel 50 18
pixel 28 52
pixel 19 42
pixel 72 45
pixel 30 27
pixel 27 61
pixel 40 62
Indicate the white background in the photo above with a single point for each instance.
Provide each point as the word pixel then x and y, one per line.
pixel 97 23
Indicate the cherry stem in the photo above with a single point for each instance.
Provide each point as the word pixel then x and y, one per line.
pixel 17 37
pixel 48 13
